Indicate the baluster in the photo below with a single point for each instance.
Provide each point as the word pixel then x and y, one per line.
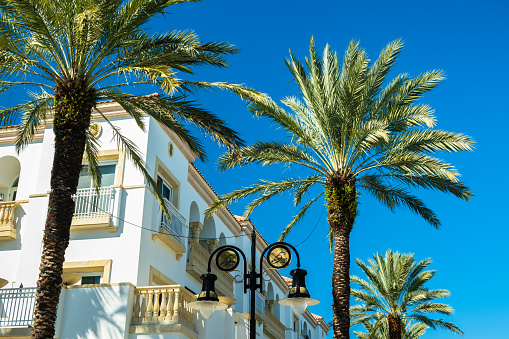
pixel 163 305
pixel 2 213
pixel 143 305
pixel 136 316
pixel 156 305
pixel 10 210
pixel 150 305
pixel 188 314
pixel 169 308
pixel 176 307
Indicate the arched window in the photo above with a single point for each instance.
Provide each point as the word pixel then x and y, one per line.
pixel 9 177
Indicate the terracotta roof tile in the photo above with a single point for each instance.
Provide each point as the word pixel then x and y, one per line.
pixel 241 218
pixel 287 280
pixel 11 126
pixel 317 317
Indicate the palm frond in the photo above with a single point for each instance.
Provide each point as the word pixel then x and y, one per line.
pixel 33 113
pixel 298 217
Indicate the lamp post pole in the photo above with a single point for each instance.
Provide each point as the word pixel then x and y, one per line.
pixel 252 288
pixel 228 258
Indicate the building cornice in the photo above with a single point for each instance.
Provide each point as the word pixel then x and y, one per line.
pixel 9 134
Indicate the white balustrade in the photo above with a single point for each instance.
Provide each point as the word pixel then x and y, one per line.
pixel 90 204
pixel 163 304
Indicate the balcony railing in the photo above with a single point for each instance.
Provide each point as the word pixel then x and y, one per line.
pixel 260 303
pixel 162 309
pixel 176 225
pixel 89 204
pixel 16 306
pixel 7 230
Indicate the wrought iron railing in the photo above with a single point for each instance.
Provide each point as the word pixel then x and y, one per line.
pixel 17 306
pixel 90 204
pixel 177 223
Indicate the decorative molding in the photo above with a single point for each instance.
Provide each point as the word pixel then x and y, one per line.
pixel 9 135
pixel 87 223
pixel 71 287
pixel 103 266
pixel 38 195
pixel 156 277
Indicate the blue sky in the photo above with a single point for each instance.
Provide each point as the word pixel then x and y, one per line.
pixel 469 41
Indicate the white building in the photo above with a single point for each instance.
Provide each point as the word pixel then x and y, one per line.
pixel 138 270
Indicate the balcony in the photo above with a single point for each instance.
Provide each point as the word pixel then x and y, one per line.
pixel 7 230
pixel 197 262
pixel 172 231
pixel 272 327
pixel 163 309
pixel 93 210
pixel 16 311
pixel 260 303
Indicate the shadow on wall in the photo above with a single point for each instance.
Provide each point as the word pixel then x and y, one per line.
pixel 96 312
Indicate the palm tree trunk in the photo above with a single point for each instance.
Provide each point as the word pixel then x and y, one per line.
pixel 394 326
pixel 72 118
pixel 342 210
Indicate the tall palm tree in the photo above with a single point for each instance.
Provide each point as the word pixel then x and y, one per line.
pixel 394 295
pixel 77 52
pixel 409 331
pixel 349 133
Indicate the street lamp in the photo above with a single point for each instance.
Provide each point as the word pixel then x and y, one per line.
pixel 228 258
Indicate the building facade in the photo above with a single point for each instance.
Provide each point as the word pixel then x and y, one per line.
pixel 130 272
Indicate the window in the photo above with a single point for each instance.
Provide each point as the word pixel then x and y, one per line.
pixel 88 202
pixel 92 279
pixel 107 176
pixel 91 271
pixel 14 189
pixel 165 189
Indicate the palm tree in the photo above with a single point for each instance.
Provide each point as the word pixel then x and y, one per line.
pixel 395 294
pixel 409 331
pixel 77 52
pixel 349 133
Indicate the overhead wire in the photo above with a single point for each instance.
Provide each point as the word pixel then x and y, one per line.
pixel 149 229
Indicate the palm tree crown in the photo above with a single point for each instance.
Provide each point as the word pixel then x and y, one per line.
pixel 394 294
pixel 408 330
pixel 75 53
pixel 351 133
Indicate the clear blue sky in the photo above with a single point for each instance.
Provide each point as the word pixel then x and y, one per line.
pixel 467 39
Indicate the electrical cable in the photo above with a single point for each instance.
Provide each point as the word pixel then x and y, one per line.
pixel 149 229
pixel 303 241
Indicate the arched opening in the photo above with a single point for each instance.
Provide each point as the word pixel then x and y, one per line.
pixel 194 212
pixel 208 235
pixel 269 298
pixel 276 308
pixel 222 239
pixel 305 328
pixel 9 178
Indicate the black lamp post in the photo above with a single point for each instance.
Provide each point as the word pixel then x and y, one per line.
pixel 228 258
